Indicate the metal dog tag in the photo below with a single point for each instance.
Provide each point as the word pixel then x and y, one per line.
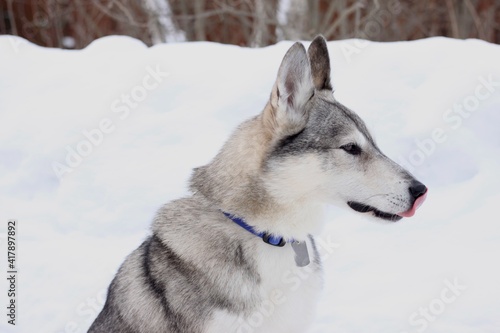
pixel 301 253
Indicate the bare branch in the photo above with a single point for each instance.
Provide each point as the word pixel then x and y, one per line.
pixel 342 17
pixel 12 17
pixel 477 20
pixel 453 19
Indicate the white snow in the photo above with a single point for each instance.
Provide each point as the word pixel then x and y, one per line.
pixel 74 232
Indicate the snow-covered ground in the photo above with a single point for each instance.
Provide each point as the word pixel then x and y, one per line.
pixel 92 142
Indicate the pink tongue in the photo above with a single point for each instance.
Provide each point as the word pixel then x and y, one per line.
pixel 420 200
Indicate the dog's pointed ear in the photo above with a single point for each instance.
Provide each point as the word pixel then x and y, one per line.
pixel 320 63
pixel 292 90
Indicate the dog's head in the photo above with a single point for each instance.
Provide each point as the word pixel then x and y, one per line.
pixel 323 151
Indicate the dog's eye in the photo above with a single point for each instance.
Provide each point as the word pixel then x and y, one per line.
pixel 351 148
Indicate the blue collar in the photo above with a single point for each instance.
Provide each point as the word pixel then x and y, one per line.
pixel 267 238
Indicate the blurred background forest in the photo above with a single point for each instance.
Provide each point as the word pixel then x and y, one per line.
pixel 73 24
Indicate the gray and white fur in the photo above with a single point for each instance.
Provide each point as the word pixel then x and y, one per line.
pixel 199 272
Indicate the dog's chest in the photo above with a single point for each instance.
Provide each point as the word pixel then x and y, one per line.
pixel 288 295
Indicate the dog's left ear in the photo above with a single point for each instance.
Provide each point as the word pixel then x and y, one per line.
pixel 291 92
pixel 320 63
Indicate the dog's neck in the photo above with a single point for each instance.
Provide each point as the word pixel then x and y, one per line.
pixel 233 182
pixel 292 222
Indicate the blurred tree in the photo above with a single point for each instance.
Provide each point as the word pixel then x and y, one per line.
pixel 76 23
pixel 240 22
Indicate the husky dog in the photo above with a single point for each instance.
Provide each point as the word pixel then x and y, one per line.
pixel 219 261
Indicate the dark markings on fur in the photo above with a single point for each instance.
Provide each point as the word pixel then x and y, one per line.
pixel 288 140
pixel 360 124
pixel 110 317
pixel 171 258
pixel 316 256
pixel 239 257
pixel 296 145
pixel 183 295
pixel 157 288
pixel 312 95
pixel 318 136
pixel 326 84
pixel 241 261
pixel 328 120
pixel 201 287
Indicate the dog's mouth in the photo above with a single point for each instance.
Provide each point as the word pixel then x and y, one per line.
pixel 362 208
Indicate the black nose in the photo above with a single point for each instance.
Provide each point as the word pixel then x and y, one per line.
pixel 417 189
